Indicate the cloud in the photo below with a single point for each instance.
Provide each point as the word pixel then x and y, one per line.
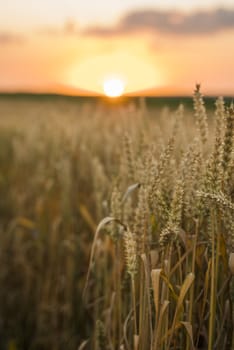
pixel 199 22
pixel 69 28
pixel 7 38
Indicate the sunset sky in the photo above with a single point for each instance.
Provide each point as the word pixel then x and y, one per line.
pixel 161 46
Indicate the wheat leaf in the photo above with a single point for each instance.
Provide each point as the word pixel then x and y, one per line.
pixel 130 189
pixel 155 276
pixel 189 329
pixel 83 344
pixel 102 223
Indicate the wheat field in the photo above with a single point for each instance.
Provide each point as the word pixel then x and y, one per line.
pixel 117 225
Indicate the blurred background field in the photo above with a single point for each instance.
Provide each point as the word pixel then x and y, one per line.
pixel 65 164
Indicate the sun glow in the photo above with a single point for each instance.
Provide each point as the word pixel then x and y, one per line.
pixel 94 73
pixel 113 87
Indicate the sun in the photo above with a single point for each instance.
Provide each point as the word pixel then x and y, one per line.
pixel 113 87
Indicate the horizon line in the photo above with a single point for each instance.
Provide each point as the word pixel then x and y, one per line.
pixel 99 95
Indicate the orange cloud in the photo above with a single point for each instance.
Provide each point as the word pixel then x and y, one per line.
pixel 69 28
pixel 9 38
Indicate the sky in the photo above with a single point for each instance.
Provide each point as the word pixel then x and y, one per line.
pixel 154 47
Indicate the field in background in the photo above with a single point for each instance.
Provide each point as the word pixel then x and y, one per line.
pixel 156 272
pixel 151 102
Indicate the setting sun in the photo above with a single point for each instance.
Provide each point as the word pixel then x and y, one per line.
pixel 113 87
